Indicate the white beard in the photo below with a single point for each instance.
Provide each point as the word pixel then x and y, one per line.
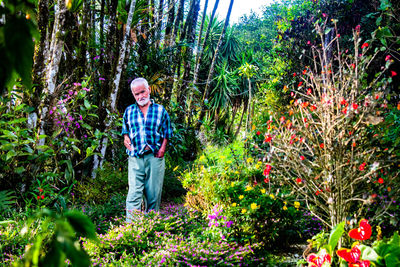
pixel 142 102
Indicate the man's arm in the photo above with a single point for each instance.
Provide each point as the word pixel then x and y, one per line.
pixel 163 147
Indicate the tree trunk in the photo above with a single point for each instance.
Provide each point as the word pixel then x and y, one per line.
pixel 213 62
pixel 56 48
pixel 170 23
pixel 157 35
pixel 112 101
pixel 248 119
pixel 188 53
pixel 241 119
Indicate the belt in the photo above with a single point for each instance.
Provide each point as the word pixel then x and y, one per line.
pixel 146 152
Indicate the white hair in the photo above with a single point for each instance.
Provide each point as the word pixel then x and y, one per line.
pixel 140 81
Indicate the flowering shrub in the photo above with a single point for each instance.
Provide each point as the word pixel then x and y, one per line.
pixel 322 148
pixel 229 187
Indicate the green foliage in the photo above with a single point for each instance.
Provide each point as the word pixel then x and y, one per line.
pixel 64 240
pixel 7 198
pixel 16 50
pixel 259 212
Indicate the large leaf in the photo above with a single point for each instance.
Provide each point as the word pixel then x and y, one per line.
pixel 81 224
pixel 334 237
pixel 20 47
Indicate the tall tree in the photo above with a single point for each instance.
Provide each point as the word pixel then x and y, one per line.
pixel 213 62
pixel 113 97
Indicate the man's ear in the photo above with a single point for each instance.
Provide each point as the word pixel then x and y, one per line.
pixel 149 89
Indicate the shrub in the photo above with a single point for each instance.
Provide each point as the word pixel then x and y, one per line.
pixel 322 148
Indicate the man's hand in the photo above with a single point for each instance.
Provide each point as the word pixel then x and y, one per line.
pixel 127 142
pixel 160 153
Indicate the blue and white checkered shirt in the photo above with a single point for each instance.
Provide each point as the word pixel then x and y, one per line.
pixel 149 131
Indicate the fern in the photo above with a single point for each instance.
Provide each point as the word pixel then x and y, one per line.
pixel 6 200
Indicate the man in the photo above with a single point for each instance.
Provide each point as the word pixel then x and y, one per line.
pixel 146 129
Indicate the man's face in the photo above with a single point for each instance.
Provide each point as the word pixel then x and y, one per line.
pixel 141 94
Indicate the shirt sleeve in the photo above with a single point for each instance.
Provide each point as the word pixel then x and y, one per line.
pixel 166 125
pixel 124 124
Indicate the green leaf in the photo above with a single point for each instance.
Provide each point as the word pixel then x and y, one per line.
pixel 81 224
pixel 87 104
pixel 10 154
pixel 368 253
pixel 20 170
pixel 76 149
pixel 334 237
pixel 20 47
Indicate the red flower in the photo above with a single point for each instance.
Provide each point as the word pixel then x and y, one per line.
pixel 352 257
pixel 380 180
pixel 313 107
pixel 266 180
pixel 387 58
pixel 315 260
pixel 268 139
pixel 302 158
pixel 305 119
pixel 365 45
pixel 362 166
pixel 318 192
pixel 300 84
pixel 393 73
pixel 353 65
pixel 344 102
pixel 294 74
pixel 282 119
pixel 354 106
pixel 304 71
pixel 305 104
pixel 267 170
pixel 321 145
pixel 298 180
pixel 258 132
pixel 42 196
pixel 40 190
pixel 349 255
pixel 377 97
pixel 309 91
pixel 38 197
pixel 363 232
pixel 338 36
pixel 344 111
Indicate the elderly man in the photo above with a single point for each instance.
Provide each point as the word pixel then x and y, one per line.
pixel 146 129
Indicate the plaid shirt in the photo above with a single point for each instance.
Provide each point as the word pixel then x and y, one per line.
pixel 149 131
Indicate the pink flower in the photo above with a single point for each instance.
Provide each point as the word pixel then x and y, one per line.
pixel 267 170
pixel 393 73
pixel 302 158
pixel 387 58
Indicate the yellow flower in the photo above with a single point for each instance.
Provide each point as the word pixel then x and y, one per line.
pixel 272 196
pixel 248 188
pixel 227 167
pixel 262 191
pixel 233 184
pixel 249 160
pixel 176 168
pixel 297 204
pixel 284 208
pixel 222 157
pixel 241 197
pixel 285 202
pixel 202 157
pixel 244 210
pixel 234 204
pixel 236 172
pixel 253 206
pixel 229 162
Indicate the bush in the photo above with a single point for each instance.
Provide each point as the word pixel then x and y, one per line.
pixel 226 180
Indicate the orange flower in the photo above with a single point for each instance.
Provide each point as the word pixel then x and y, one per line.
pixel 313 107
pixel 305 104
pixel 354 144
